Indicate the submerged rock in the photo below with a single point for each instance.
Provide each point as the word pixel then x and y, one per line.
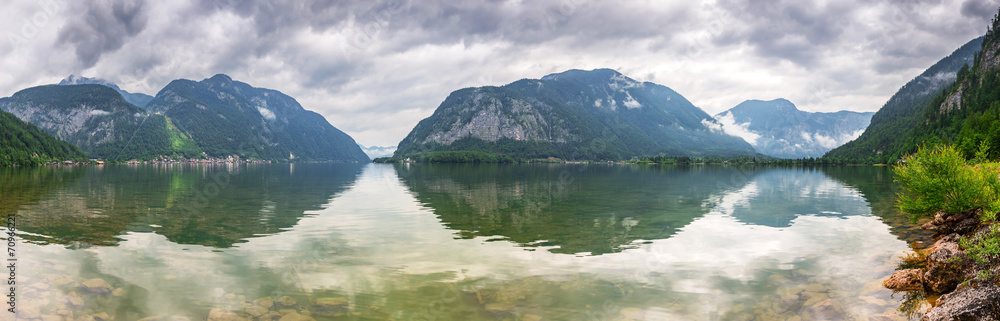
pixel 286 301
pixel 96 286
pixel 74 300
pixel 256 311
pixel 223 315
pixel 905 280
pixel 331 303
pixel 295 316
pixel 828 309
pixel 265 302
pixel 979 303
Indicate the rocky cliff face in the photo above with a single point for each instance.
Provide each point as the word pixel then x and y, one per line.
pixel 492 118
pixel 87 116
pixel 777 128
pixel 598 114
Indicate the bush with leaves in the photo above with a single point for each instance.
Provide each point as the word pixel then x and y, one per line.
pixel 937 179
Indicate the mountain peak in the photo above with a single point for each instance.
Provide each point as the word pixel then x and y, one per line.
pixel 757 106
pixel 138 99
pixel 79 80
pixel 220 78
pixel 577 73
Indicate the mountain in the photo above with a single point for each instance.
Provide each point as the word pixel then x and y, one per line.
pixel 776 128
pixel 378 151
pixel 22 143
pixel 968 113
pixel 99 121
pixel 891 132
pixel 598 114
pixel 138 99
pixel 227 117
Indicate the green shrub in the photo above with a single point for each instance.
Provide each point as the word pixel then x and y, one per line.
pixel 938 179
pixel 984 246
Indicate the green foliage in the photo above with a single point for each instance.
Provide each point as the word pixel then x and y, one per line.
pixel 463 157
pixel 937 179
pixel 984 247
pixel 22 143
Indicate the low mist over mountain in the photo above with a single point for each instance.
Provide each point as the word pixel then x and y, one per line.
pixel 891 132
pixel 598 114
pixel 138 99
pixel 228 117
pixel 378 151
pixel 777 128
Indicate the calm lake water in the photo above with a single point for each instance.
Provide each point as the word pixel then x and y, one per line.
pixel 456 242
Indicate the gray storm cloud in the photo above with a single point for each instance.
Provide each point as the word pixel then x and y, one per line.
pixel 374 68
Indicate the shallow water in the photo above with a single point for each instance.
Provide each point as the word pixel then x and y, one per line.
pixel 456 242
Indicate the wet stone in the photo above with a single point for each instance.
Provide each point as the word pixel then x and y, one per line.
pixel 286 301
pixel 904 280
pixel 103 316
pixel 816 288
pixel 294 316
pixel 331 303
pixel 62 281
pixel 531 317
pixel 827 310
pixel 265 302
pixel 96 286
pixel 256 311
pixel 74 300
pixel 223 315
pixel 499 310
pixel 874 301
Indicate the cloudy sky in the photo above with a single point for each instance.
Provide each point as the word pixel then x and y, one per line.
pixel 374 68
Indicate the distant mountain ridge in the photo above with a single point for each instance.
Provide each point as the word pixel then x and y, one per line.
pixel 99 121
pixel 378 151
pixel 891 132
pixel 596 115
pixel 138 99
pixel 777 128
pixel 215 117
pixel 228 117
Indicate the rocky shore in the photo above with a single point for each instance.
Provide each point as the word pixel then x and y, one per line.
pixel 957 286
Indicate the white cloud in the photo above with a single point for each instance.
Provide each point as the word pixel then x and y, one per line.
pixel 267 113
pixel 711 125
pixel 730 127
pixel 630 102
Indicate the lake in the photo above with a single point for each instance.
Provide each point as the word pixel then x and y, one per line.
pixel 455 242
